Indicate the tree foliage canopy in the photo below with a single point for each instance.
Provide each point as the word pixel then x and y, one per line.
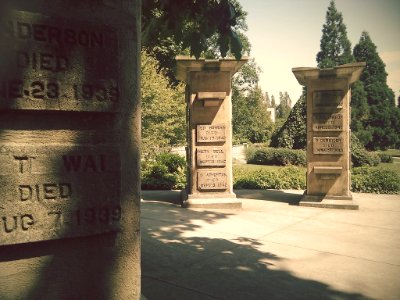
pixel 163 109
pixel 250 119
pixel 335 46
pixel 375 117
pixel 284 106
pixel 195 27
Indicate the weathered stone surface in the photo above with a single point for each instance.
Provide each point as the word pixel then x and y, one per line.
pixel 52 192
pixel 328 132
pixel 211 133
pixel 56 64
pixel 97 203
pixel 209 153
pixel 327 99
pixel 212 179
pixel 327 122
pixel 211 156
pixel 328 145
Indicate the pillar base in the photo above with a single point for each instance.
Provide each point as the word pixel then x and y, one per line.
pixel 221 201
pixel 327 201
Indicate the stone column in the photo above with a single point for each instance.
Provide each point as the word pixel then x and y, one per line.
pixel 328 134
pixel 70 149
pixel 208 97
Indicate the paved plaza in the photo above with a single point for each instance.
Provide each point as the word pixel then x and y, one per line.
pixel 270 249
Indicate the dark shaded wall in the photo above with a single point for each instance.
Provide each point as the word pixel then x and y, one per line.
pixel 66 265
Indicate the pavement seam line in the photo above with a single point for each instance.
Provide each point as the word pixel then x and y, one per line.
pixel 180 286
pixel 333 253
pixel 290 225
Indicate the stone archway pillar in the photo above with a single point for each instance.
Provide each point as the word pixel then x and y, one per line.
pixel 208 98
pixel 328 134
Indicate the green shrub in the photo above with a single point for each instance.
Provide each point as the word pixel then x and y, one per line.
pixel 385 158
pixel 166 171
pixel 276 156
pixel 282 178
pixel 361 157
pixel 375 180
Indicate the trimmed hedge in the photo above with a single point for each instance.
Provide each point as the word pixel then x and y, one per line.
pixel 276 156
pixel 283 178
pixel 375 180
pixel 361 157
pixel 165 172
pixel 385 158
pixel 364 179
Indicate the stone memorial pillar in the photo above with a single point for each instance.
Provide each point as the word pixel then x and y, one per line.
pixel 328 134
pixel 69 149
pixel 208 97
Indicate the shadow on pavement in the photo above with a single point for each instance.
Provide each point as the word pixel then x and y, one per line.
pixel 182 260
pixel 270 195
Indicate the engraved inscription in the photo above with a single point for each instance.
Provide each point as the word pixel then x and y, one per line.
pixel 211 133
pixel 211 156
pixel 328 99
pixel 212 180
pixel 327 145
pixel 52 192
pixel 56 64
pixel 328 122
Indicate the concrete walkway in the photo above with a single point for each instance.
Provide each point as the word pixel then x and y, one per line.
pixel 270 249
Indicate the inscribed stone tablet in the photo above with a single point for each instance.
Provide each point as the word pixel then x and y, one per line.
pixel 58 64
pixel 328 99
pixel 53 192
pixel 328 145
pixel 328 122
pixel 211 180
pixel 211 133
pixel 211 156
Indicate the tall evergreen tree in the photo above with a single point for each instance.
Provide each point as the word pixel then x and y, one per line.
pixel 273 103
pixel 267 100
pixel 335 50
pixel 383 121
pixel 335 46
pixel 283 109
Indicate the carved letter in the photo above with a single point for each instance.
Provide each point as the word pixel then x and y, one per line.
pixel 90 164
pixel 65 190
pixel 25 225
pixel 72 163
pixel 49 189
pixel 25 192
pixel 6 229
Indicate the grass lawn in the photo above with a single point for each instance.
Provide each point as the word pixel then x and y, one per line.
pixel 392 152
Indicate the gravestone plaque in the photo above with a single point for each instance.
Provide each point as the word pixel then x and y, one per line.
pixel 211 133
pixel 52 192
pixel 211 156
pixel 323 100
pixel 212 179
pixel 58 64
pixel 328 122
pixel 328 145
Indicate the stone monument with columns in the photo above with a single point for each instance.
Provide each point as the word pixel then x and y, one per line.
pixel 209 155
pixel 328 134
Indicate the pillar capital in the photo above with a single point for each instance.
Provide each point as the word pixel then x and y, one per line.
pixel 186 64
pixel 351 72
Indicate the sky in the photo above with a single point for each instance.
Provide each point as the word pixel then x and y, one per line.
pixel 285 34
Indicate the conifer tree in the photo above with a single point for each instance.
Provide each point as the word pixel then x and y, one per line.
pixel 335 50
pixel 273 103
pixel 267 100
pixel 335 46
pixel 383 120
